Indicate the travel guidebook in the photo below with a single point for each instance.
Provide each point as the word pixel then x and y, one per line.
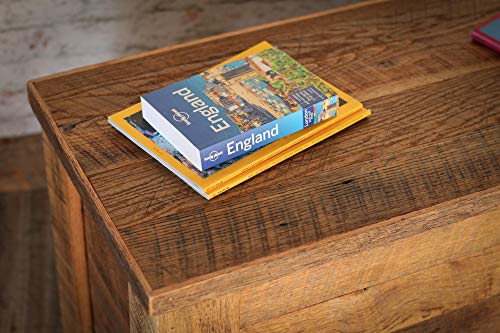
pixel 239 106
pixel 211 182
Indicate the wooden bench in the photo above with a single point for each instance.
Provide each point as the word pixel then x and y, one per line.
pixel 391 224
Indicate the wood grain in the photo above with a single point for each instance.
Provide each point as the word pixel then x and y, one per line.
pixel 88 195
pixel 214 315
pixel 421 169
pixel 69 245
pixel 378 190
pixel 140 321
pixel 400 302
pixel 483 316
pixel 107 281
pixel 330 249
pixel 317 284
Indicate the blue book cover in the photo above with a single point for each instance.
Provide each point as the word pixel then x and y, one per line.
pixel 235 108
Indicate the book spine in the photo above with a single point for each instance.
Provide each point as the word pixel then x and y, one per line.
pixel 263 135
pixel 486 40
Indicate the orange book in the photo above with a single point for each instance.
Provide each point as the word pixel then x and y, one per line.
pixel 216 180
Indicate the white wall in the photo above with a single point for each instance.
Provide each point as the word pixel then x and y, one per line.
pixel 41 37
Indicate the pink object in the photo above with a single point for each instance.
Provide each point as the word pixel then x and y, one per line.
pixel 487 33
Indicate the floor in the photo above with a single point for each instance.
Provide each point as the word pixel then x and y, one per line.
pixel 28 292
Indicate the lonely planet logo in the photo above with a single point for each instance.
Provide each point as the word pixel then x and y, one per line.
pixel 181 117
pixel 213 156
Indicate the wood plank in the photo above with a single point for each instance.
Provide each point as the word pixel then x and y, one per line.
pixel 107 280
pixel 214 315
pixel 28 289
pixel 331 249
pixel 140 321
pixel 400 302
pixel 314 285
pixel 69 245
pixel 483 316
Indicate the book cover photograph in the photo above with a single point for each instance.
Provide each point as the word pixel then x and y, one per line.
pixel 143 127
pixel 239 106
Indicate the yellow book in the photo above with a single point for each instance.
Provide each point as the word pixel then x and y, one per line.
pixel 214 181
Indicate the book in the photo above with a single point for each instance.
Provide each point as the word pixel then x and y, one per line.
pixel 488 33
pixel 212 182
pixel 239 106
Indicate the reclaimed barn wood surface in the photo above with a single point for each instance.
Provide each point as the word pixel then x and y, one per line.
pixel 66 214
pixel 389 225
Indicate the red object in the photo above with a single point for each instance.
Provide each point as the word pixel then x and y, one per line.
pixel 484 38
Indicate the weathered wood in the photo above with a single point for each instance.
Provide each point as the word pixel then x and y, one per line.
pixel 107 280
pixel 368 268
pixel 140 321
pixel 263 272
pixel 421 170
pixel 483 317
pixel 89 196
pixel 69 245
pixel 400 302
pixel 214 315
